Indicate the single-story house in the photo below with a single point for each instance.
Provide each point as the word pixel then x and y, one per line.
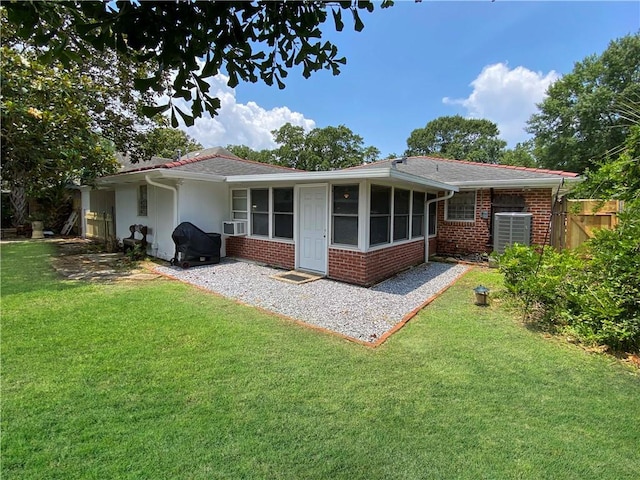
pixel 357 225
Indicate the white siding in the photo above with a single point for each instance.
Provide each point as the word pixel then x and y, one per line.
pixel 204 204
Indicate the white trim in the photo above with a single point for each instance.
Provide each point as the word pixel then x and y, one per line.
pixel 427 205
pixel 133 177
pixel 518 183
pixel 297 216
pixel 354 174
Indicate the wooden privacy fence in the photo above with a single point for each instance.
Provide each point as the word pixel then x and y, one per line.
pixel 99 225
pixel 575 221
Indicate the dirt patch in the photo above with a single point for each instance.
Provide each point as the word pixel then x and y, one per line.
pixel 79 259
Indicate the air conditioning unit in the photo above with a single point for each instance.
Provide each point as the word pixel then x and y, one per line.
pixel 510 228
pixel 234 228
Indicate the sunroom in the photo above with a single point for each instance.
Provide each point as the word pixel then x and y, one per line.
pixel 350 225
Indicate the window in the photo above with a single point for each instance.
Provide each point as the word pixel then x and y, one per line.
pixel 380 216
pixel 462 206
pixel 345 214
pixel 283 212
pixel 142 200
pixel 417 219
pixel 260 211
pixel 433 214
pixel 239 205
pixel 401 200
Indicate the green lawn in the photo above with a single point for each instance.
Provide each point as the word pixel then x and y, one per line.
pixel 161 380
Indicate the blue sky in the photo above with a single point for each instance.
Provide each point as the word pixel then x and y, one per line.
pixel 414 62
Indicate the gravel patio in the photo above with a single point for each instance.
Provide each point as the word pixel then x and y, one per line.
pixel 367 315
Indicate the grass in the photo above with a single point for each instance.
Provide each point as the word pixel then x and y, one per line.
pixel 161 380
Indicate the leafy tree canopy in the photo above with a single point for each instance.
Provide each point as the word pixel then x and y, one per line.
pixel 166 142
pixel 458 138
pixel 618 175
pixel 251 41
pixel 577 124
pixel 46 136
pixel 326 148
pixel 521 155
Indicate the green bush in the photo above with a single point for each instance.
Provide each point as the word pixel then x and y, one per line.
pixel 540 283
pixel 594 294
pixel 605 301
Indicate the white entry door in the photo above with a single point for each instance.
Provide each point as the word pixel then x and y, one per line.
pixel 312 228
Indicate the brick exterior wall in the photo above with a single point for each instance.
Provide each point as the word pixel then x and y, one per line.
pixel 276 254
pixel 473 237
pixel 345 265
pixel 372 267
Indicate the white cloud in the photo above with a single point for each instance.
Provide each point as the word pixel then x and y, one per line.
pixel 506 97
pixel 241 124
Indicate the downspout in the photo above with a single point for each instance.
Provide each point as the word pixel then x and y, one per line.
pixel 175 202
pixel 426 223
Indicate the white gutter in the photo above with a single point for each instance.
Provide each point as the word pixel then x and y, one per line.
pixel 426 223
pixel 350 174
pixel 175 197
pixel 522 182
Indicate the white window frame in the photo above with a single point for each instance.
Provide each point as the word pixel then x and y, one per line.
pixel 468 220
pixel 273 213
pixel 389 216
pixel 345 215
pixel 234 212
pixel 408 215
pixel 268 212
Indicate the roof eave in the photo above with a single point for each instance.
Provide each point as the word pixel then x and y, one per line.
pixel 517 183
pixel 348 174
pixel 138 176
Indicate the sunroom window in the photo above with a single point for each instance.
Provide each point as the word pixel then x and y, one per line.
pixel 283 212
pixel 417 219
pixel 462 206
pixel 380 215
pixel 433 214
pixel 260 211
pixel 345 214
pixel 401 200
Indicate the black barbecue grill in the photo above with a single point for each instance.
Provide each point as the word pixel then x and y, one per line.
pixel 194 246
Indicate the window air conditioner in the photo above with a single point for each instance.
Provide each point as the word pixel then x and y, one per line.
pixel 234 228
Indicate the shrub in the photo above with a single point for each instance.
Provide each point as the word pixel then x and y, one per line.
pixel 540 283
pixel 605 301
pixel 594 294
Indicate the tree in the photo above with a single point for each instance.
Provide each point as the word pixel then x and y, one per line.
pixel 618 175
pixel 46 135
pixel 577 124
pixel 166 142
pixel 242 151
pixel 459 138
pixel 521 155
pixel 196 40
pixel 331 148
pixel 326 148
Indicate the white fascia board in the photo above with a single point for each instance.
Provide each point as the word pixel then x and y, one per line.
pixel 355 174
pixel 407 177
pixel 182 175
pixel 138 176
pixel 516 183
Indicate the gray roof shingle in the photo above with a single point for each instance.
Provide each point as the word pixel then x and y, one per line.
pixel 212 161
pixel 457 171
